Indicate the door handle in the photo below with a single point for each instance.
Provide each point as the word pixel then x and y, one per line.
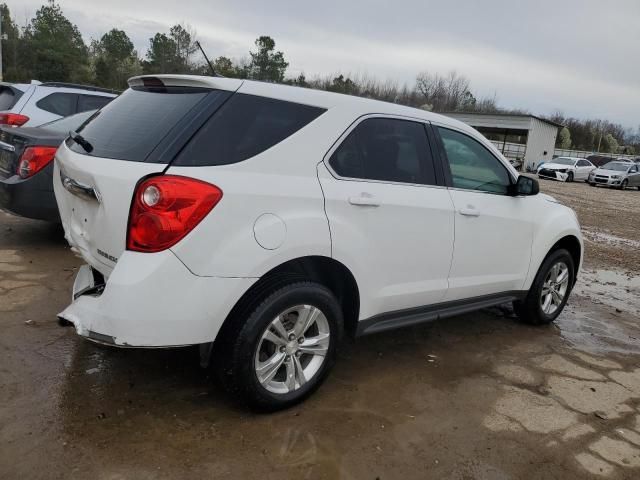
pixel 469 211
pixel 364 200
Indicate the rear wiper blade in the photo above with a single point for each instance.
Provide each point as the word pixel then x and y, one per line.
pixel 80 140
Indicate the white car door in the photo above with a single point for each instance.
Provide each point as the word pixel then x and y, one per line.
pixel 583 168
pixel 493 230
pixel 391 223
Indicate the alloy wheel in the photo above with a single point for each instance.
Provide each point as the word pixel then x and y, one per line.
pixel 554 288
pixel 292 349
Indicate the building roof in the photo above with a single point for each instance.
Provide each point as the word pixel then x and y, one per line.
pixel 506 115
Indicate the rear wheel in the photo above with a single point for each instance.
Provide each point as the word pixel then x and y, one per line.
pixel 570 177
pixel 285 348
pixel 550 289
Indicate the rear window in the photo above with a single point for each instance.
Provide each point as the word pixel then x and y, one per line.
pixel 243 127
pixel 8 97
pixel 132 125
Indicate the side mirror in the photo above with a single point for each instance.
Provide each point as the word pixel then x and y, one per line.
pixel 525 186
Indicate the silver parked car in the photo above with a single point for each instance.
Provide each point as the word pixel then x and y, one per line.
pixel 616 174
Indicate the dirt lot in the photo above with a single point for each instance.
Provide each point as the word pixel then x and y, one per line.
pixel 477 396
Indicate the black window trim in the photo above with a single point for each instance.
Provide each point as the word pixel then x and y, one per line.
pixel 445 161
pixel 440 180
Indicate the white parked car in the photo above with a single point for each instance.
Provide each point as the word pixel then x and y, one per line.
pixel 32 105
pixel 266 220
pixel 566 169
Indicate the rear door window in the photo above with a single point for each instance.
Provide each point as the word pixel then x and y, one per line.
pixel 92 102
pixel 133 125
pixel 8 97
pixel 63 104
pixel 386 149
pixel 243 127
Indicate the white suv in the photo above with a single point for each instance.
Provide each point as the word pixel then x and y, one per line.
pixel 266 220
pixel 32 105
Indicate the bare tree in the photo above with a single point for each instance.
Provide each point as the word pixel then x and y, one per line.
pixel 444 93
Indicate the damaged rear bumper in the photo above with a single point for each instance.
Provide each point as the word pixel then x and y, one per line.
pixel 151 300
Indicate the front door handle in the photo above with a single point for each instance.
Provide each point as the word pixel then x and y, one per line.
pixel 469 211
pixel 364 200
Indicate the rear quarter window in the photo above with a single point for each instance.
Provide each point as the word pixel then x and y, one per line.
pixel 63 104
pixel 243 127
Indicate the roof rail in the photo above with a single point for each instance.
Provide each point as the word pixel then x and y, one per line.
pixel 80 87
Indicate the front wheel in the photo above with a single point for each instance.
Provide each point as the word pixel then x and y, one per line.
pixel 550 289
pixel 592 184
pixel 624 184
pixel 570 177
pixel 285 348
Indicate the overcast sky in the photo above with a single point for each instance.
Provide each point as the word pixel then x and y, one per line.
pixel 577 56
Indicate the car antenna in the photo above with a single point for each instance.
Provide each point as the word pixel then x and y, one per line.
pixel 213 71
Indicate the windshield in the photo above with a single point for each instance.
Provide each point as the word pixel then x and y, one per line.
pixel 563 161
pixel 70 123
pixel 617 166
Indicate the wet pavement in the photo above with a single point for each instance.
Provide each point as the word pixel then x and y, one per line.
pixel 476 396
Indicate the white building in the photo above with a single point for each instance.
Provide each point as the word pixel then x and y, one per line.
pixel 521 138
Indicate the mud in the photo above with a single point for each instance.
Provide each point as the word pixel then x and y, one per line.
pixel 476 396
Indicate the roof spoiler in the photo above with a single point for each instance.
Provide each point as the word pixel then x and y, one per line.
pixel 198 81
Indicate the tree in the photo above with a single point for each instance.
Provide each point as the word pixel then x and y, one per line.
pixel 172 53
pixel 342 84
pixel 267 64
pixel 564 139
pixel 224 66
pixel 162 56
pixel 444 93
pixel 13 70
pixel 115 60
pixel 609 144
pixel 54 48
pixel 184 38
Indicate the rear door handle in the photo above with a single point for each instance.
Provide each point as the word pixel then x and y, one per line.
pixel 469 211
pixel 364 200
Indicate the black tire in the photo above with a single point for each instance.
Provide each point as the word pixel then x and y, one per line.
pixel 624 184
pixel 529 309
pixel 236 367
pixel 592 184
pixel 570 177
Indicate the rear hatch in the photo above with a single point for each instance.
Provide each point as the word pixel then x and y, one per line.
pixel 13 142
pixel 136 135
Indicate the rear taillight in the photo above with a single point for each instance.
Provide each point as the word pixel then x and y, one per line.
pixel 13 119
pixel 166 208
pixel 34 159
